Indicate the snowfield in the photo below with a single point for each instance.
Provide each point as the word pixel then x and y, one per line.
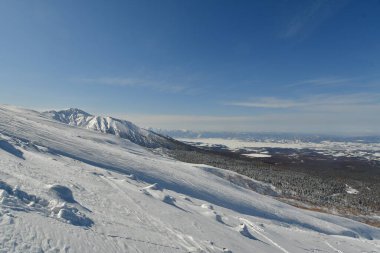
pixel 369 151
pixel 68 189
pixel 257 155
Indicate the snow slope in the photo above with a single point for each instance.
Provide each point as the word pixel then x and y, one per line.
pixel 121 128
pixel 68 189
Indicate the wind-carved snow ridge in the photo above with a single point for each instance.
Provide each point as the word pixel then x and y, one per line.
pixel 243 181
pixel 6 146
pixel 62 192
pixel 158 193
pixel 18 200
pixel 243 230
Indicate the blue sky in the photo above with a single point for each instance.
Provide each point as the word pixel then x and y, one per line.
pixel 284 66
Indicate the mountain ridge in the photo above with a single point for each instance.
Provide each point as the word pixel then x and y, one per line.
pixel 110 125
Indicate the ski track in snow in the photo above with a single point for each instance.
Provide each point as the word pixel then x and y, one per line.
pixel 54 177
pixel 261 233
pixel 335 249
pixel 141 213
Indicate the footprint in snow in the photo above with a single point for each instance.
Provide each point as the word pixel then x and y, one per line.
pixel 212 213
pixel 207 206
pixel 131 176
pixel 169 200
pixel 152 190
pixel 97 174
pixel 186 198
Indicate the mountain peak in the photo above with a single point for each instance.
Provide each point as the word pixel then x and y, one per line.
pixel 74 111
pixel 122 128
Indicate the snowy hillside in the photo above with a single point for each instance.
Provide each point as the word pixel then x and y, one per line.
pixel 121 128
pixel 68 189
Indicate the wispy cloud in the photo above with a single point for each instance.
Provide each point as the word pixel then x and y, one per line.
pixel 311 16
pixel 320 102
pixel 114 81
pixel 349 122
pixel 266 102
pixel 366 81
pixel 134 82
pixel 341 114
pixel 323 82
pixel 191 122
pixel 196 122
pixel 300 21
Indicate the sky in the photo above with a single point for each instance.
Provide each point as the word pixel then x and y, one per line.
pixel 214 65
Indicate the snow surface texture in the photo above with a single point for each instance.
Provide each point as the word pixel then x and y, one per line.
pixel 67 189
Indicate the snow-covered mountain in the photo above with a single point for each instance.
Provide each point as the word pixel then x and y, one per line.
pixel 67 189
pixel 121 128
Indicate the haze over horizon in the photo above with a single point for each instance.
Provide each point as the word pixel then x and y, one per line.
pixel 273 66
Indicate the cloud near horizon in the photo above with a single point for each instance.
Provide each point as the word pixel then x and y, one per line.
pixel 352 114
pixel 322 102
